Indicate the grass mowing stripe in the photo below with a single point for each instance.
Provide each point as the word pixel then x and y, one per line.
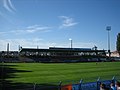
pixel 46 73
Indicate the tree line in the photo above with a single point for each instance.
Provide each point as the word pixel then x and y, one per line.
pixel 118 43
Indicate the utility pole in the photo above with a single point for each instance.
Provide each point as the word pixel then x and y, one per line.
pixel 108 28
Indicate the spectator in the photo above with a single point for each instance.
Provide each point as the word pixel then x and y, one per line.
pixel 117 84
pixel 102 87
pixel 112 86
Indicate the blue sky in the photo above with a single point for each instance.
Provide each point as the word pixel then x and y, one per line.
pixel 44 23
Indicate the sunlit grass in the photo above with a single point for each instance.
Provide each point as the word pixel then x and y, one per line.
pixel 47 73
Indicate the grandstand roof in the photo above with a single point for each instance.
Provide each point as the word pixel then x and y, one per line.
pixel 54 49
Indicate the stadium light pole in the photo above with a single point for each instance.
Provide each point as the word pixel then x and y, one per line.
pixel 70 43
pixel 108 28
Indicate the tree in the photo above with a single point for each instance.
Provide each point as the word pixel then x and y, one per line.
pixel 118 43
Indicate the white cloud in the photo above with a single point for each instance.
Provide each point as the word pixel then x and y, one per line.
pixel 2 33
pixel 75 45
pixel 67 22
pixel 33 26
pixel 7 9
pixel 14 43
pixel 34 42
pixel 37 28
pixel 29 29
pixel 84 44
pixel 8 5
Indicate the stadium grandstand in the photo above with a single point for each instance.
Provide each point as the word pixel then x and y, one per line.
pixel 54 54
pixel 57 54
pixel 9 56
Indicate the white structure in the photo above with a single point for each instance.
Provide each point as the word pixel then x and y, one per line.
pixel 115 54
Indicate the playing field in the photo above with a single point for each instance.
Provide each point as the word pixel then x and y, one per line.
pixel 54 72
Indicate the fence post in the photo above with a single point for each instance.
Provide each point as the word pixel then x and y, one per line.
pixel 98 83
pixel 80 84
pixel 59 86
pixel 34 86
pixel 113 80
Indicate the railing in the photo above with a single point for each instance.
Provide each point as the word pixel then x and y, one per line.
pixel 88 86
pixel 61 86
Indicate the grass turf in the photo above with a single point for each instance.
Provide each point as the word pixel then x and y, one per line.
pixel 54 72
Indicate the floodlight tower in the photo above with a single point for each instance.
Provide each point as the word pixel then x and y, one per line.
pixel 108 28
pixel 8 49
pixel 70 43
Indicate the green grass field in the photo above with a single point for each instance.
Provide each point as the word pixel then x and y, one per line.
pixel 54 72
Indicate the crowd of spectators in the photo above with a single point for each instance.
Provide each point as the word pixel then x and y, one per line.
pixel 113 86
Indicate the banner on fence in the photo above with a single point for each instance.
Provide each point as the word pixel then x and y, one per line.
pixel 66 87
pixel 89 86
pixel 76 87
